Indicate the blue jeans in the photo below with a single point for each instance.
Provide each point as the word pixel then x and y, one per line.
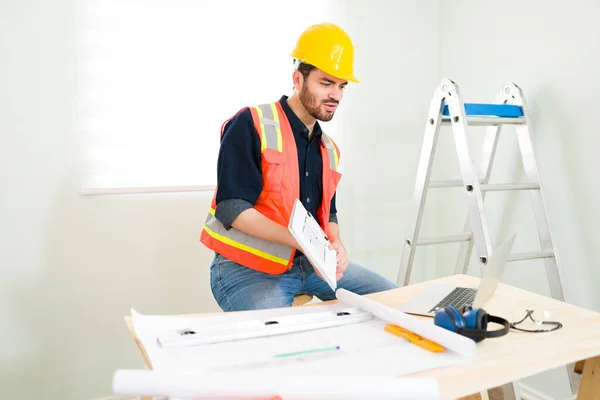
pixel 238 288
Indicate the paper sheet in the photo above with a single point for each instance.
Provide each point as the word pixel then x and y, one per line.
pixel 365 349
pixel 228 386
pixel 314 243
pixel 363 352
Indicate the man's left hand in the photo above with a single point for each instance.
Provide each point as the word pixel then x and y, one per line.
pixel 341 258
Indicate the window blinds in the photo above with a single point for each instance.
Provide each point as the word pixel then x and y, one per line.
pixel 157 79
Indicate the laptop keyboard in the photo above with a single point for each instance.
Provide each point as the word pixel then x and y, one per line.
pixel 459 298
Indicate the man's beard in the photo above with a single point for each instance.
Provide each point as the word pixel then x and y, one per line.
pixel 309 103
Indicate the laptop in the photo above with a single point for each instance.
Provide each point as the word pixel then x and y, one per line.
pixel 435 296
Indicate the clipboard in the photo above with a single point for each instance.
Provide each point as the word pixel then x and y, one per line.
pixel 314 243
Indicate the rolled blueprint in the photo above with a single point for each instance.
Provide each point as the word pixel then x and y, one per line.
pixel 248 385
pixel 450 340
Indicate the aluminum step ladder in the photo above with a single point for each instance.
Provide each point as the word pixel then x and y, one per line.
pixel 509 108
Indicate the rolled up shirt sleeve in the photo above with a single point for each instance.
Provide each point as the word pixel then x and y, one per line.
pixel 333 211
pixel 333 218
pixel 228 210
pixel 239 172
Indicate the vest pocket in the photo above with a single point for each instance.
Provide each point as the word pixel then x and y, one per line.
pixel 330 186
pixel 272 169
pixel 335 179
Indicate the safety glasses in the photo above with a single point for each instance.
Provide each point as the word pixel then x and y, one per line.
pixel 541 322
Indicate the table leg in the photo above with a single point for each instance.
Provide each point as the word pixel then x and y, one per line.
pixel 511 391
pixel 472 397
pixel 574 376
pixel 147 364
pixel 146 397
pixel 589 389
pixel 492 394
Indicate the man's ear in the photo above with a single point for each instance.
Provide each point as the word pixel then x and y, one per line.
pixel 297 79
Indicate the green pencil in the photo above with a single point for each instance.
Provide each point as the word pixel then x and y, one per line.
pixel 296 353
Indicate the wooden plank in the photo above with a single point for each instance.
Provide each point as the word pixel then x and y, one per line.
pixel 579 366
pixel 492 394
pixel 129 325
pixel 590 380
pixel 142 350
pixel 476 396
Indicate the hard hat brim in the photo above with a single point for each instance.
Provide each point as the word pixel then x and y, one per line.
pixel 345 77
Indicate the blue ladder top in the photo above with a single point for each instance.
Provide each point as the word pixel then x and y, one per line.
pixel 490 110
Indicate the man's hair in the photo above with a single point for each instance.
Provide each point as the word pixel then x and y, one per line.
pixel 305 69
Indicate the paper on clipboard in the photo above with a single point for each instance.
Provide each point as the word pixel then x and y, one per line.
pixel 314 243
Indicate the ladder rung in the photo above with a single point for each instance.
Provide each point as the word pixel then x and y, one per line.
pixel 490 110
pixel 510 186
pixel 531 255
pixel 447 184
pixel 488 121
pixel 465 237
pixel 485 187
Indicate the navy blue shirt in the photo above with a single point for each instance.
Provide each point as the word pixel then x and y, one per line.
pixel 239 171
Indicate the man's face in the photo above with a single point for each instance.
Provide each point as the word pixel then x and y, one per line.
pixel 321 93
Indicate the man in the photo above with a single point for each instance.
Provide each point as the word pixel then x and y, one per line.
pixel 271 155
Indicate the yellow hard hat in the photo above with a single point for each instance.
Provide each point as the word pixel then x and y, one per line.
pixel 329 48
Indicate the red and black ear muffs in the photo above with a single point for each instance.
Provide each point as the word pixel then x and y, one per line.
pixel 472 323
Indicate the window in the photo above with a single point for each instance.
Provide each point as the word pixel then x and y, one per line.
pixel 157 79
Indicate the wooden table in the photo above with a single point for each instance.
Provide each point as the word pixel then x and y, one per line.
pixel 512 357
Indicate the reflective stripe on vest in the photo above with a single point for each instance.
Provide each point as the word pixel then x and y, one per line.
pixel 270 132
pixel 270 137
pixel 334 157
pixel 271 251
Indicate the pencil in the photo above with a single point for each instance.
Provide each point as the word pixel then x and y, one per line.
pixel 297 353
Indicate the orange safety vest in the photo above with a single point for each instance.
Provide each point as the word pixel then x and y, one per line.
pixel 281 187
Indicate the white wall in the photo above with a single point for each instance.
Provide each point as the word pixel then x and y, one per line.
pixel 550 49
pixel 72 266
pixel 382 123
